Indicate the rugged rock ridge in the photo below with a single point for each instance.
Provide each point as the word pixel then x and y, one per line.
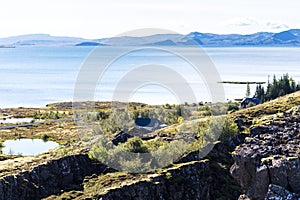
pixel 195 180
pixel 185 182
pixel 48 178
pixel 192 177
pixel 271 155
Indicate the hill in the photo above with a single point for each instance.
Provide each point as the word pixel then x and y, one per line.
pixel 285 38
pixel 40 40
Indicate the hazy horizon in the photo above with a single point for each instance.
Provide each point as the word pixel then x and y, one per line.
pixel 99 19
pixel 47 34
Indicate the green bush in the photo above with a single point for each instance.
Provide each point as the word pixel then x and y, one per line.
pixel 45 137
pixel 229 129
pixel 169 153
pixel 232 107
pixel 124 156
pixel 135 145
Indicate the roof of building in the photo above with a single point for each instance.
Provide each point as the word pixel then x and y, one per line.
pixel 147 122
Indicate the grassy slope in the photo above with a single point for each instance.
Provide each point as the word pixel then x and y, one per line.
pixel 269 112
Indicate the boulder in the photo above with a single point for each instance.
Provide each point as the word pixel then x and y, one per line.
pixel 121 137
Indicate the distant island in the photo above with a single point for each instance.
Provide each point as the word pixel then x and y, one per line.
pixel 289 38
pixel 3 46
pixel 89 44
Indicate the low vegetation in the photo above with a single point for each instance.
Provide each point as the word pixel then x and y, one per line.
pixel 160 152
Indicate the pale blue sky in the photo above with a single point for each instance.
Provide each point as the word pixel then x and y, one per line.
pixel 104 18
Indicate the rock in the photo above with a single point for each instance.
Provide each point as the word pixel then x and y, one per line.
pixel 243 197
pixel 188 181
pixel 48 178
pixel 121 137
pixel 239 123
pixel 242 121
pixel 269 156
pixel 251 177
pixel 276 192
pixel 259 130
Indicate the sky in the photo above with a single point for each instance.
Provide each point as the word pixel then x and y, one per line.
pixel 94 19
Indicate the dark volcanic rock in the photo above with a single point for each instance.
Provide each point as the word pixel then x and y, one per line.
pixel 188 181
pixel 121 137
pixel 269 156
pixel 259 130
pixel 49 178
pixel 276 192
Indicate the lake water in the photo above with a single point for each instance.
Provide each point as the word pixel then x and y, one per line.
pixel 35 76
pixel 27 147
pixel 16 120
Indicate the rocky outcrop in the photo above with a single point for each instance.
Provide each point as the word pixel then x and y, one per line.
pixel 184 182
pixel 49 178
pixel 277 192
pixel 121 137
pixel 189 178
pixel 270 155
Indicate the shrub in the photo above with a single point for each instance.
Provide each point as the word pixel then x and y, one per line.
pixel 135 145
pixel 232 107
pixel 229 129
pixel 45 137
pixel 251 104
pixel 124 156
pixel 153 145
pixel 99 152
pixel 170 152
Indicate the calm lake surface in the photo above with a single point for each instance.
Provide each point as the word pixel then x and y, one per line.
pixel 35 76
pixel 27 147
pixel 15 120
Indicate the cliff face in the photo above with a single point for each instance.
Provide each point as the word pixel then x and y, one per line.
pixel 192 180
pixel 48 178
pixel 184 182
pixel 270 156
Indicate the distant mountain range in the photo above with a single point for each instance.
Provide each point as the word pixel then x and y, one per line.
pixel 285 38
